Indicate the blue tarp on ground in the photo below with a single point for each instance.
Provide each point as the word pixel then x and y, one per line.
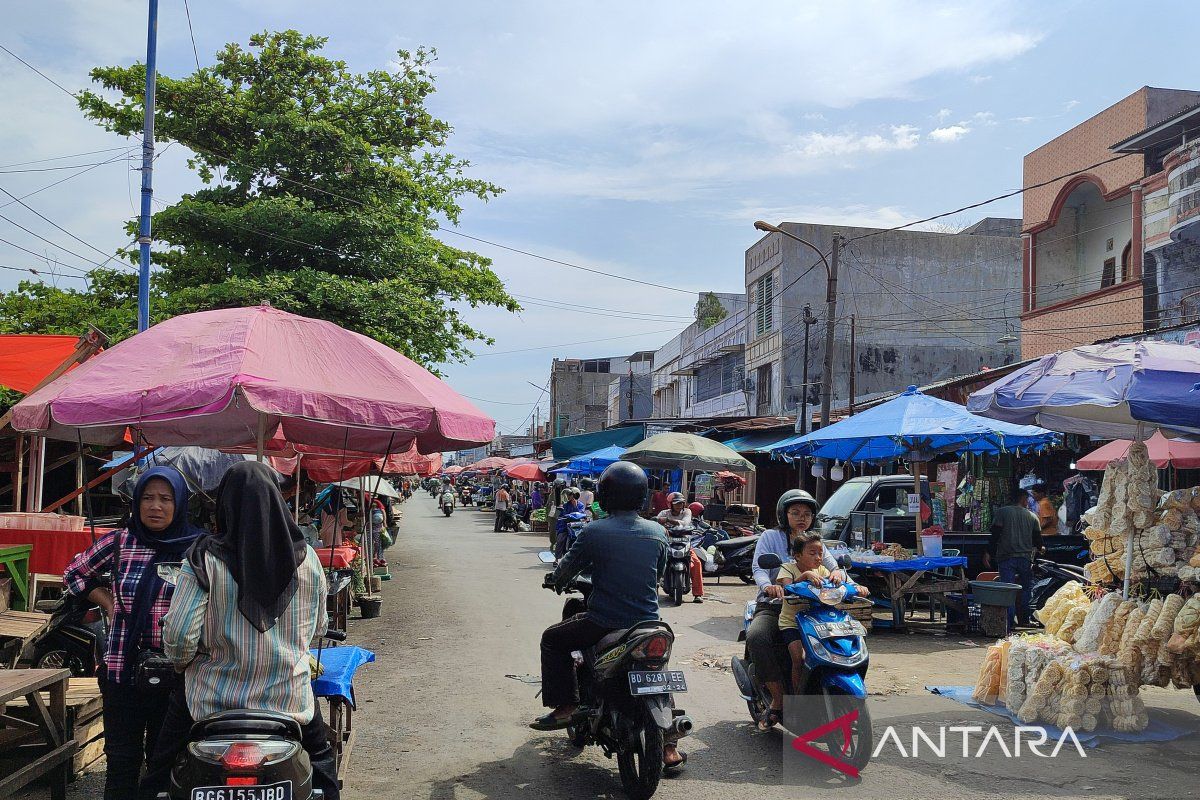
pixel 339 664
pixel 913 564
pixel 567 447
pixel 1157 731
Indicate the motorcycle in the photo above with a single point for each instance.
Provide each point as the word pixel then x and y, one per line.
pixel 835 665
pixel 71 639
pixel 568 527
pixel 735 558
pixel 625 692
pixel 245 754
pixel 677 580
pixel 447 505
pixel 1049 577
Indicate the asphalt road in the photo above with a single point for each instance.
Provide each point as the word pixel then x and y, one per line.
pixel 443 713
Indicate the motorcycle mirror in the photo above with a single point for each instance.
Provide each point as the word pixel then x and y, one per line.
pixel 770 561
pixel 844 562
pixel 546 557
pixel 169 573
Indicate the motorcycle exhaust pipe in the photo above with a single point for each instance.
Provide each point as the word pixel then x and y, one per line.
pixel 682 726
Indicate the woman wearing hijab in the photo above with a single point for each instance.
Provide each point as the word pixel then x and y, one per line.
pixel 158 532
pixel 249 599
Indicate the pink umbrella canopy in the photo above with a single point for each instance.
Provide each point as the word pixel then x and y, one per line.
pixel 526 472
pixel 1163 452
pixel 225 378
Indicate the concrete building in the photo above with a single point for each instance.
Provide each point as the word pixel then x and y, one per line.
pixel 579 393
pixel 630 396
pixel 1111 248
pixel 700 372
pixel 926 306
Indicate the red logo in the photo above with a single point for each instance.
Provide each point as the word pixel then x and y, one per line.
pixel 842 723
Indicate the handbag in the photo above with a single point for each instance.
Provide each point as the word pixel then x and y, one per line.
pixel 152 670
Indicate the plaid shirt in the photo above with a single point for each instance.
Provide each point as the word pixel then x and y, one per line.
pixel 89 570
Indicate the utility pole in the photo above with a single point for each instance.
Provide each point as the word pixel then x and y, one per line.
pixel 853 364
pixel 827 376
pixel 147 168
pixel 802 421
pixel 629 407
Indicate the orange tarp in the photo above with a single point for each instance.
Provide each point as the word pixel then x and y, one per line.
pixel 26 360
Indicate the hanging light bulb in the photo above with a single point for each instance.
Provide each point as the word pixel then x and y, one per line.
pixel 836 474
pixel 818 469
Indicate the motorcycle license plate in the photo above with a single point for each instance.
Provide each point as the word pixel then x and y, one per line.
pixel 272 791
pixel 657 682
pixel 830 630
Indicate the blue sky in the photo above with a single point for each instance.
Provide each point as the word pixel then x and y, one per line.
pixel 636 138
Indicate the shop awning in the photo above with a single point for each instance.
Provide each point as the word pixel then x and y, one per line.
pixel 567 447
pixel 26 360
pixel 760 442
pixel 1164 452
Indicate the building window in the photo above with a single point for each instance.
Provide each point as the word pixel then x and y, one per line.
pixel 764 305
pixel 719 377
pixel 1125 254
pixel 764 390
pixel 1110 273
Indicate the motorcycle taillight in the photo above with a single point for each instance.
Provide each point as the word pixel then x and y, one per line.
pixel 241 755
pixel 653 647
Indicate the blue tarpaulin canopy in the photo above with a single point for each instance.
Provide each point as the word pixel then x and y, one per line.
pixel 914 426
pixel 1123 390
pixel 566 447
pixel 759 442
pixel 597 460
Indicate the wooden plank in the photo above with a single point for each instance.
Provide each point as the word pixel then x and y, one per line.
pixel 36 769
pixel 22 624
pixel 87 755
pixel 52 726
pixel 20 682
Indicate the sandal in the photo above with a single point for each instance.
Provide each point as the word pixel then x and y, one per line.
pixel 673 769
pixel 774 717
pixel 549 722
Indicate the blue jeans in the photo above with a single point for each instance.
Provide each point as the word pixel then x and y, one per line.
pixel 1018 570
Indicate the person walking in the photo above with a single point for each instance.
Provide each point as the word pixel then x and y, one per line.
pixel 502 504
pixel 1047 514
pixel 249 599
pixel 158 532
pixel 1016 536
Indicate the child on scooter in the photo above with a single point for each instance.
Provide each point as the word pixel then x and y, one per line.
pixel 804 566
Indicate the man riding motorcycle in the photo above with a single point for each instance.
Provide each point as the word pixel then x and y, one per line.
pixel 794 514
pixel 626 557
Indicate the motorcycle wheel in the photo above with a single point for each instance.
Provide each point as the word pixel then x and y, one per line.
pixel 861 736
pixel 748 578
pixel 640 761
pixel 676 595
pixel 61 659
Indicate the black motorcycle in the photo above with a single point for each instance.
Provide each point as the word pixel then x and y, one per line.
pixel 677 580
pixel 625 691
pixel 71 640
pixel 245 755
pixel 1049 577
pixel 735 558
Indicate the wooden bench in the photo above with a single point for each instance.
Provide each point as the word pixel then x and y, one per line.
pixel 85 723
pixel 31 749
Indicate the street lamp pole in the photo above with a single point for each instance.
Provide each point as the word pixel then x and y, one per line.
pixel 831 271
pixel 802 422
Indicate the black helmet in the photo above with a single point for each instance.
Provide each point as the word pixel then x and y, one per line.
pixel 623 487
pixel 790 498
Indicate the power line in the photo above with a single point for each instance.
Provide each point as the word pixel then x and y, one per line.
pixel 39 272
pixel 188 11
pixel 571 344
pixel 60 158
pixel 39 72
pixel 69 177
pixel 43 217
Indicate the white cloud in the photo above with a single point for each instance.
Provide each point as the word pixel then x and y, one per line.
pixel 943 114
pixel 820 145
pixel 1024 120
pixel 1070 104
pixel 982 118
pixel 853 215
pixel 951 133
pixel 978 79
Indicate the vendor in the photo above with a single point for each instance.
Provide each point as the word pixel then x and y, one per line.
pixel 1016 538
pixel 1046 513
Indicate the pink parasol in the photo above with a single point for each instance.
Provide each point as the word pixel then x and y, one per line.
pixel 1164 452
pixel 225 378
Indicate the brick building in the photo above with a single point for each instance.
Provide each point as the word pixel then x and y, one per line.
pixel 1104 252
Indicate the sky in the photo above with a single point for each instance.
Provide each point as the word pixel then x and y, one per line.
pixel 640 139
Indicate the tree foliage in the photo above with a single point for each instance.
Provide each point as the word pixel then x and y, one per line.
pixel 322 192
pixel 709 310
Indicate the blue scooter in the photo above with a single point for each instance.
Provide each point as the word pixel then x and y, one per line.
pixel 835 665
pixel 567 529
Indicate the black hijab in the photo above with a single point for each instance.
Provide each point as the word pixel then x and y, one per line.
pixel 257 541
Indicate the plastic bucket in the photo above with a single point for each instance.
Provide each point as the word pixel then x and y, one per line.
pixel 370 606
pixel 932 546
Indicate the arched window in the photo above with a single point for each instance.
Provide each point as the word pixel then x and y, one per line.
pixel 1125 254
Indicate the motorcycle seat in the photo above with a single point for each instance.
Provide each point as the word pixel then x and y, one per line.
pixel 247 721
pixel 735 544
pixel 616 637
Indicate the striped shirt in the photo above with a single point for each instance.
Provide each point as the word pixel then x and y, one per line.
pixel 230 664
pixel 89 570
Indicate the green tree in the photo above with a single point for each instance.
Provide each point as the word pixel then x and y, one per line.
pixel 322 193
pixel 709 310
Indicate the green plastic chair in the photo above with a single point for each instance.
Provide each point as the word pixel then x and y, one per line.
pixel 14 560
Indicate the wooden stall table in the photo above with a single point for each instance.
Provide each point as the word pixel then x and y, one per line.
pixel 337 561
pixel 16 629
pixel 14 559
pixel 336 685
pixel 49 730
pixel 85 722
pixel 908 577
